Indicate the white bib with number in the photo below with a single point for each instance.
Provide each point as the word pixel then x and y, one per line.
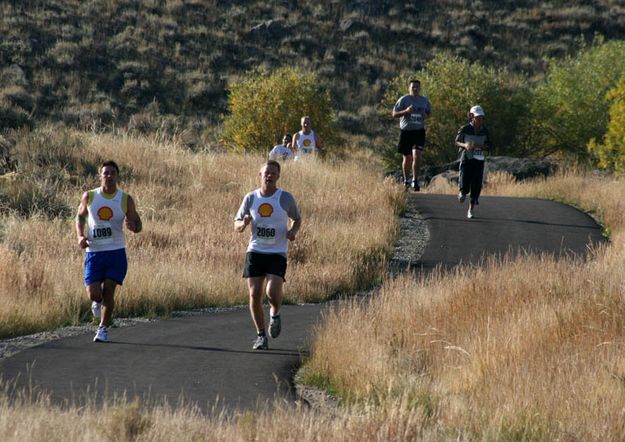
pixel 416 118
pixel 477 154
pixel 102 233
pixel 265 234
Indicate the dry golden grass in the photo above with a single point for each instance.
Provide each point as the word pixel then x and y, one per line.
pixel 524 349
pixel 36 420
pixel 188 255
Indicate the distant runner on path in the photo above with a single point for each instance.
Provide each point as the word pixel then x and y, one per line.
pixel 473 140
pixel 282 151
pixel 306 141
pixel 412 110
pixel 104 211
pixel 268 209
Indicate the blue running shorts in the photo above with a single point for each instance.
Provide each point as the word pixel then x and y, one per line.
pixel 111 264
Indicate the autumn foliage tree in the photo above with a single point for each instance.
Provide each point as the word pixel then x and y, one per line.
pixel 265 105
pixel 611 153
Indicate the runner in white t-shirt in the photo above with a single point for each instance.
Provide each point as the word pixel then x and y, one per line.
pixel 282 151
pixel 268 210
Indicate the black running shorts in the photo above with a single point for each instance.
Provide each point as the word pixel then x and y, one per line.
pixel 261 264
pixel 410 139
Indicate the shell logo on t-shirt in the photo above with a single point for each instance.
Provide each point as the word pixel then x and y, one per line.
pixel 265 210
pixel 105 213
pixel 306 142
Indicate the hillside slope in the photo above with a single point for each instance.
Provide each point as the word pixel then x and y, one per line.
pixel 119 62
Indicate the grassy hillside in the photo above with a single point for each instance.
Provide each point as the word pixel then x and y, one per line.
pixel 166 64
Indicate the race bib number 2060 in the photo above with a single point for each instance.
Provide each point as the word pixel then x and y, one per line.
pixel 265 234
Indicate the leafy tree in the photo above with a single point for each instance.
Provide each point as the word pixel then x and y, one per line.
pixel 611 154
pixel 569 107
pixel 265 105
pixel 453 85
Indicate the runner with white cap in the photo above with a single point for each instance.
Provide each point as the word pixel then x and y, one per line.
pixel 473 140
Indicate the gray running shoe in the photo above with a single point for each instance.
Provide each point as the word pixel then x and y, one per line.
pixel 261 343
pixel 102 335
pixel 96 309
pixel 275 326
pixel 462 197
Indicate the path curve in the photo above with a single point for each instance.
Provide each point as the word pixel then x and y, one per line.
pixel 206 359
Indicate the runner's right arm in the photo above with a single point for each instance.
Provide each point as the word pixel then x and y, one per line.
pixel 241 224
pixel 81 221
pixel 243 216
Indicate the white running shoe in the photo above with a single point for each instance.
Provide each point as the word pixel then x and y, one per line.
pixel 469 214
pixel 275 326
pixel 102 335
pixel 96 309
pixel 261 343
pixel 462 197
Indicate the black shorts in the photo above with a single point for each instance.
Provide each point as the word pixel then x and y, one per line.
pixel 411 139
pixel 261 264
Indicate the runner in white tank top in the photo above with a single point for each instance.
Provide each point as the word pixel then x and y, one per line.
pixel 267 210
pixel 306 141
pixel 105 221
pixel 104 211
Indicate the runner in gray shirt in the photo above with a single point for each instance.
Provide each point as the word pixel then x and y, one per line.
pixel 412 110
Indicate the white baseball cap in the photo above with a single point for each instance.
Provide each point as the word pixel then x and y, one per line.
pixel 477 111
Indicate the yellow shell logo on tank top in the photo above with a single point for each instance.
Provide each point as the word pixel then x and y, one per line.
pixel 306 142
pixel 105 213
pixel 265 210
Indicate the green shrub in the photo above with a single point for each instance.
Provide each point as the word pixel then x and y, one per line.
pixel 569 108
pixel 263 106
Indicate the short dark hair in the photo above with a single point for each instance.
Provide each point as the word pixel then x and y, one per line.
pixel 415 81
pixel 273 163
pixel 110 163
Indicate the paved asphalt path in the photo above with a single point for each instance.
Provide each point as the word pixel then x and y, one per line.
pixel 206 359
pixel 502 225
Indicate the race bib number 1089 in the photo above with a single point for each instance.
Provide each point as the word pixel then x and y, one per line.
pixel 101 233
